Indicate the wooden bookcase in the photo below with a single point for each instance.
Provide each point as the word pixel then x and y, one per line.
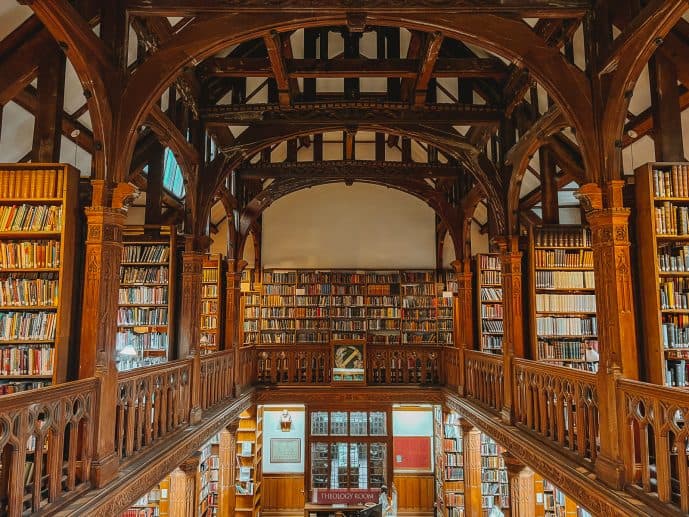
pixel 348 310
pixel 552 502
pixel 452 466
pixel 211 304
pixel 154 504
pixel 489 305
pixel 207 479
pixel 419 307
pixel 495 488
pixel 39 218
pixel 662 203
pixel 312 309
pixel 381 307
pixel 445 307
pixel 249 462
pixel 146 296
pixel 563 301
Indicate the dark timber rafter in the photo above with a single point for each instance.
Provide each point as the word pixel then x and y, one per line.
pixel 277 62
pixel 426 68
pixel 348 168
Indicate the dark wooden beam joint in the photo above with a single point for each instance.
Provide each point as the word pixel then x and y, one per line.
pixel 435 40
pixel 277 61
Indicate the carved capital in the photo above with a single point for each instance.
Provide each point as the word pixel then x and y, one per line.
pixel 590 196
pixel 124 195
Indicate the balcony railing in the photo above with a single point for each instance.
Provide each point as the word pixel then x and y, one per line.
pixel 558 406
pixel 46 439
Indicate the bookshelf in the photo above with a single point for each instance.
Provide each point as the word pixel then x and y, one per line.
pixel 419 307
pixel 153 504
pixel 552 502
pixel 495 488
pixel 211 304
pixel 563 316
pixel 489 306
pixel 207 480
pixel 452 466
pixel 348 310
pixel 39 215
pixel 662 226
pixel 146 297
pixel 446 291
pixel 249 461
pixel 382 307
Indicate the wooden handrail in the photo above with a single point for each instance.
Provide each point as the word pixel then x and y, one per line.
pixel 217 377
pixel 484 379
pixel 558 404
pixel 48 438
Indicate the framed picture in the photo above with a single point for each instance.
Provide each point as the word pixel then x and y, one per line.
pixel 285 450
pixel 349 361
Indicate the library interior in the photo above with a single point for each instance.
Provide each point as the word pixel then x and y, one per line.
pixel 344 258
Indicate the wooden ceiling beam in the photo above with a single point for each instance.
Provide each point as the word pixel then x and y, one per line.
pixel 350 169
pixel 277 64
pixel 521 8
pixel 408 68
pixel 642 124
pixel 433 44
pixel 532 198
pixel 354 112
pixel 21 66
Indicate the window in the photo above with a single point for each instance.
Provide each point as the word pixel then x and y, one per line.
pixel 172 175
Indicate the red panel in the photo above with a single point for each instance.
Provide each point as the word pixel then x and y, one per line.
pixel 412 452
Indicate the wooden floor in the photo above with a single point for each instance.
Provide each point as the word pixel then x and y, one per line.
pixel 297 513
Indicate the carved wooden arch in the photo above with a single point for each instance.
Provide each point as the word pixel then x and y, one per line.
pixel 229 203
pixel 283 187
pixel 520 155
pixel 447 140
pixel 469 204
pixel 510 38
pixel 98 77
pixel 630 54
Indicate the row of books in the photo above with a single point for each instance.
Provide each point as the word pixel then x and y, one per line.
pixel 565 280
pixel 141 341
pixel 312 337
pixel 674 293
pixel 32 184
pixel 492 462
pixel 29 254
pixel 492 326
pixel 671 183
pixel 144 275
pixel 675 329
pixel 491 277
pixel 210 274
pixel 345 325
pixel 418 290
pixel 563 237
pixel 422 302
pixel 386 312
pixel 250 325
pixel 209 291
pixel 383 289
pixel 209 307
pixel 27 360
pixel 424 325
pixel 7 388
pixel 27 291
pixel 454 499
pixel 565 303
pixel 491 294
pixel 424 338
pixel 279 277
pixel 563 326
pixel 142 316
pixel 279 289
pixel 454 473
pixel 313 289
pixel 30 218
pixel 150 253
pixel 491 311
pixel 492 476
pixel 317 324
pixel 490 262
pixel 146 295
pixel 563 258
pixel 673 258
pixel 383 325
pixel 676 373
pixel 209 322
pixel 348 289
pixel 27 326
pixel 672 219
pixel 491 342
pixel 565 350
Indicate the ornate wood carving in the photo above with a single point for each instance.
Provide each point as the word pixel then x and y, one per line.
pixel 349 169
pixel 522 489
pixel 471 443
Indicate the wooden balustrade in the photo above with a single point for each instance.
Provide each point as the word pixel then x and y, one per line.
pixel 152 402
pixel 484 378
pixel 217 377
pixel 451 367
pixel 389 365
pixel 246 373
pixel 656 440
pixel 559 404
pixel 307 365
pixel 46 441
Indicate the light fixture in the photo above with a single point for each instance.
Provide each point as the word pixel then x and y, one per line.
pixel 285 421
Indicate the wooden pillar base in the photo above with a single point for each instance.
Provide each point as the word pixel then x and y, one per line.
pixel 183 491
pixel 522 490
pixel 471 438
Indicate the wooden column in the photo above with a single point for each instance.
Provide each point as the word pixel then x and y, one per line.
pixel 232 310
pixel 471 438
pixel 183 491
pixel 522 488
pixel 190 321
pixel 615 311
pixel 549 201
pixel 667 118
pixel 47 131
pixel 513 337
pixel 97 358
pixel 154 184
pixel 226 474
pixel 463 314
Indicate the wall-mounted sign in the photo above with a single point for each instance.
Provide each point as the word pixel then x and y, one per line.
pixel 285 450
pixel 344 496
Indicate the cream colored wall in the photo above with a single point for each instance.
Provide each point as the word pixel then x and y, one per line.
pixel 219 244
pixel 361 226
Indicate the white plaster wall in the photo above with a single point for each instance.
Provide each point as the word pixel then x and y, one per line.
pixel 271 429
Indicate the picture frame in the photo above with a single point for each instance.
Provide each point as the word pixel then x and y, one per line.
pixel 285 450
pixel 349 362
